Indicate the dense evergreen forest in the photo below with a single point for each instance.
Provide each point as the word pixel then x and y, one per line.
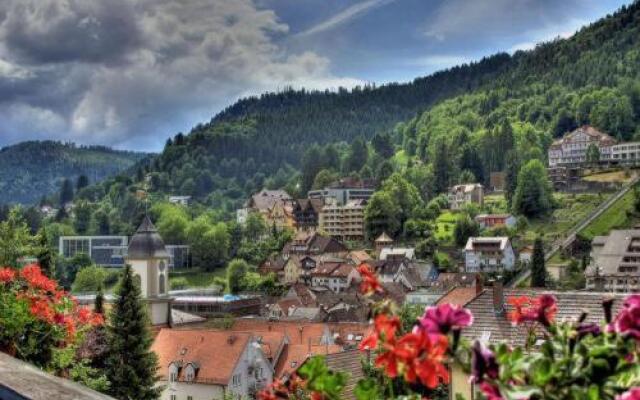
pixel 30 170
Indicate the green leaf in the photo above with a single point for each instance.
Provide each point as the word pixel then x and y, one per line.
pixel 366 389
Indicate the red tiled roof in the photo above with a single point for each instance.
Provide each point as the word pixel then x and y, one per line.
pixel 216 352
pixel 459 296
pixel 295 354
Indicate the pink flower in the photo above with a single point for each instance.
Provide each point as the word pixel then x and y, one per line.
pixel 443 318
pixel 483 362
pixel 627 321
pixel 490 391
pixel 631 394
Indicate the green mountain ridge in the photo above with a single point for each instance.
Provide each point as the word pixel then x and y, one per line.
pixel 261 141
pixel 33 169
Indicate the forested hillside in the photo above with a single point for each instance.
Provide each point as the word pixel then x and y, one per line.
pixel 31 170
pixel 589 78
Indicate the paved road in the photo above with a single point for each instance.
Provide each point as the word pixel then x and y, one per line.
pixel 571 235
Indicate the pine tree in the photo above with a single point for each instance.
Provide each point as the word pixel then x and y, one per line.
pixel 45 255
pixel 98 305
pixel 66 193
pixel 538 268
pixel 82 183
pixel 441 167
pixel 131 366
pixel 512 168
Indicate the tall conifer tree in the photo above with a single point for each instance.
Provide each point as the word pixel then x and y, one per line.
pixel 538 268
pixel 131 366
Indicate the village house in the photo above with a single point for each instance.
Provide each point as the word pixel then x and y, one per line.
pixel 525 255
pixel 615 262
pixel 298 268
pixel 496 220
pixel 394 270
pixel 488 254
pixel 181 200
pixel 206 364
pixel 491 324
pixel 273 265
pixel 469 193
pixel 275 207
pixel 313 244
pixel 306 213
pixel 404 252
pixel 337 276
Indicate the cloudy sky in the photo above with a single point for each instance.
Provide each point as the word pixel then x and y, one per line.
pixel 130 73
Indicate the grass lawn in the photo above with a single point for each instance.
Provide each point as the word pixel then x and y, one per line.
pixel 611 176
pixel 197 278
pixel 572 208
pixel 616 217
pixel 445 224
pixel 496 204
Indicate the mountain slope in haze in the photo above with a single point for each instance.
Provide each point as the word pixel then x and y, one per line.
pixel 33 169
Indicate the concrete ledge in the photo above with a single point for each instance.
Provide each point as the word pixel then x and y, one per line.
pixel 23 381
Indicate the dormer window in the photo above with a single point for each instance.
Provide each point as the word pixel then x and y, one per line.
pixel 190 372
pixel 174 370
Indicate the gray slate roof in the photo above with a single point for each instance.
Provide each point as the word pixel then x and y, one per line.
pixel 147 243
pixel 492 327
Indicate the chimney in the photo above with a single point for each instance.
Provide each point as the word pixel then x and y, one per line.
pixel 479 284
pixel 498 297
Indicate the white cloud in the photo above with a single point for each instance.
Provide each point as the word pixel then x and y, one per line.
pixel 187 60
pixel 563 30
pixel 345 16
pixel 483 18
pixel 439 61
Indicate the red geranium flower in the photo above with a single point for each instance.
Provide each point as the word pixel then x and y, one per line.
pixel 385 328
pixel 42 310
pixel 34 277
pixel 370 283
pixel 490 391
pixel 7 274
pixel 542 309
pixel 627 321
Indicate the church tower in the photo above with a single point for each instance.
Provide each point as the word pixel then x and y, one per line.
pixel 149 260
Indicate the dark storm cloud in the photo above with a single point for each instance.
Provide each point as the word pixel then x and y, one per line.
pixel 51 31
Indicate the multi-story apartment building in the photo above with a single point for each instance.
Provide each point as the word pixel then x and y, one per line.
pixel 488 254
pixel 344 191
pixel 615 262
pixel 343 221
pixel 469 193
pixel 571 149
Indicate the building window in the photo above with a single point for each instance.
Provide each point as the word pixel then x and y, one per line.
pixel 189 397
pixel 162 284
pixel 236 380
pixel 172 397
